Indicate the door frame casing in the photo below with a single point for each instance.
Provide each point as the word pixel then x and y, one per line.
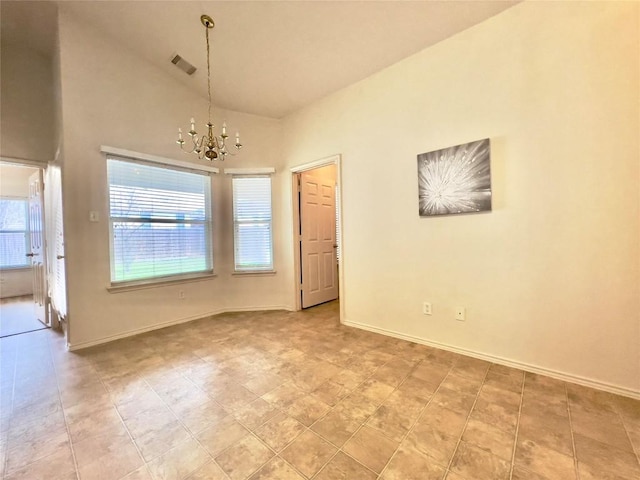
pixel 305 167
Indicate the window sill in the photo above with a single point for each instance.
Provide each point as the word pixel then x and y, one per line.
pixel 253 273
pixel 17 268
pixel 146 284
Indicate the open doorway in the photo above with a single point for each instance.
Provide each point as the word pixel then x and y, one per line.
pixel 23 289
pixel 316 203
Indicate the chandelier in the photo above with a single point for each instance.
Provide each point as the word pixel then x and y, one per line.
pixel 209 146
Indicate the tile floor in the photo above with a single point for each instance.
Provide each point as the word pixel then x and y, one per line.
pixel 292 396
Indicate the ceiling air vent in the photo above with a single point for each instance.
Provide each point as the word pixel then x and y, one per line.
pixel 183 65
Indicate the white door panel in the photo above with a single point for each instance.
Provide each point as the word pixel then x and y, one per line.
pixel 36 241
pixel 318 239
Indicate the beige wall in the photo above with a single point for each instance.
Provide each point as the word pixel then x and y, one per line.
pixel 26 104
pixel 550 278
pixel 139 108
pixel 14 182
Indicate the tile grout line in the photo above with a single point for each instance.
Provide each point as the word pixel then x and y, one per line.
pixel 455 450
pixel 115 407
pixel 635 449
pixel 417 417
pixel 5 453
pixel 515 438
pixel 64 415
pixel 339 449
pixel 192 434
pixel 573 441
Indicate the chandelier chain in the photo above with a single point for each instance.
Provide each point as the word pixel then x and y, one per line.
pixel 208 73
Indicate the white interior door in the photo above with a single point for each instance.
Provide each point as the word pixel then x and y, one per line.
pixel 318 259
pixel 38 253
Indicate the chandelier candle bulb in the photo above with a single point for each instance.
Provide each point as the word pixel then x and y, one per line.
pixel 224 129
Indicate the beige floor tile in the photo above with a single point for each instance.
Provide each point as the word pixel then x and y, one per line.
pixel 547 430
pixel 255 413
pixel 602 472
pixel 490 438
pixel 410 464
pixel 306 409
pixel 277 469
pixel 308 453
pixel 441 419
pixel 370 448
pixel 283 395
pixel 453 400
pixel 461 384
pixel 520 473
pixel 473 462
pixel 222 435
pixel 209 471
pixel 343 467
pixel 604 427
pixel 410 404
pixel 357 406
pixel 263 384
pixel 158 441
pixel 417 387
pixel 544 461
pixel 330 392
pixel 596 454
pixel 279 431
pixel 114 460
pixel 140 474
pixel 179 462
pixel 244 458
pixel 151 420
pixel 391 422
pixel 57 466
pixel 503 415
pixel 100 422
pixel 22 453
pixel 234 397
pixel 336 427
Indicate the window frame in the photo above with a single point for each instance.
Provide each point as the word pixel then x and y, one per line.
pixel 252 173
pixel 27 234
pixel 166 164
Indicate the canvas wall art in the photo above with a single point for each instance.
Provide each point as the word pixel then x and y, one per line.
pixel 455 179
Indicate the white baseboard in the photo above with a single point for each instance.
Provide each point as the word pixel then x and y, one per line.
pixel 130 333
pixel 567 377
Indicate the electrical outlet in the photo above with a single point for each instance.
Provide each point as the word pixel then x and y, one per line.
pixel 426 308
pixel 181 294
pixel 461 314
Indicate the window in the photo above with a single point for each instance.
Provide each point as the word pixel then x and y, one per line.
pixel 160 220
pixel 253 249
pixel 14 232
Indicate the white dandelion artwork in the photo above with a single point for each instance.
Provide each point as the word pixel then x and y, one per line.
pixel 455 179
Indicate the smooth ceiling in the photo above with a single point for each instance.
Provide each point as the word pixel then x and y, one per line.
pixel 269 58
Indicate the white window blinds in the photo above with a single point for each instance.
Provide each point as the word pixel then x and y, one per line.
pixel 253 248
pixel 14 233
pixel 160 221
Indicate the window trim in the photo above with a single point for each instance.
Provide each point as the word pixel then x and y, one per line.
pixel 27 235
pixel 168 164
pixel 266 172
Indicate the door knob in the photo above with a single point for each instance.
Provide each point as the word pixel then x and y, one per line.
pixel 30 255
pixel 59 257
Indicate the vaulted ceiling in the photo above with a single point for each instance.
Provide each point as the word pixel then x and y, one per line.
pixel 269 58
